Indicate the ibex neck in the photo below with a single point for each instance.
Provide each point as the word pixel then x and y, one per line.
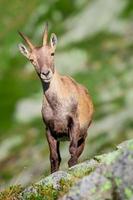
pixel 52 90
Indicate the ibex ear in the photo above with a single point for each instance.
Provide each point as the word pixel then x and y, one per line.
pixel 24 50
pixel 53 41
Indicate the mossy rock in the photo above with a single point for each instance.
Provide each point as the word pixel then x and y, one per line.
pixel 50 187
pixel 128 144
pixel 108 176
pixel 59 182
pixel 83 169
pixel 112 179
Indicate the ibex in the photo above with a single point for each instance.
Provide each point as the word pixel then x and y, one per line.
pixel 67 107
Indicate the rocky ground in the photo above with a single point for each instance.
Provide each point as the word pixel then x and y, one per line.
pixel 105 177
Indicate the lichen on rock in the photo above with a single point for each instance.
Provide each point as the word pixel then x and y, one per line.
pixel 108 176
pixel 49 187
pixel 112 179
pixel 83 169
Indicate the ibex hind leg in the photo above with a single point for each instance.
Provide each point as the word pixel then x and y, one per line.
pixel 81 144
pixel 78 151
pixel 74 135
pixel 74 159
pixel 81 141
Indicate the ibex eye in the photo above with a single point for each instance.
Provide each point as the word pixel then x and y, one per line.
pixel 31 60
pixel 52 54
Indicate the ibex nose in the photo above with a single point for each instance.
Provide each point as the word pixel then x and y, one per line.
pixel 45 72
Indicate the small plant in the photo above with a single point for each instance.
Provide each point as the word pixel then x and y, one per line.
pixel 11 193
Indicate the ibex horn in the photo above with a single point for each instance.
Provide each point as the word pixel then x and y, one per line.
pixel 26 40
pixel 45 35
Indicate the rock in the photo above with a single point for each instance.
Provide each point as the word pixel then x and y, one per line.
pixel 96 187
pixel 126 144
pixel 49 186
pixel 122 175
pixel 113 179
pixel 106 177
pixel 59 182
pixel 84 168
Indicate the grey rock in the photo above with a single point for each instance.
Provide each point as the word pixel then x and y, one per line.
pixel 123 175
pixel 84 168
pixel 109 177
pixel 108 181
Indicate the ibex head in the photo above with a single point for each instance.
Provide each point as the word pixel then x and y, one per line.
pixel 41 57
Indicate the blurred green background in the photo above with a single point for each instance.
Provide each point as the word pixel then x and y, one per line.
pixel 95 46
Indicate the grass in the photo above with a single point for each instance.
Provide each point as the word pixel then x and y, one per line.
pixel 11 193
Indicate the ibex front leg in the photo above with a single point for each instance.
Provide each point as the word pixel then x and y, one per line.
pixel 73 148
pixel 55 158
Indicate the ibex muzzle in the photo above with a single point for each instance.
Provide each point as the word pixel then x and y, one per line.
pixel 67 108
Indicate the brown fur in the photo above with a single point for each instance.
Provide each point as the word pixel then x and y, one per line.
pixel 67 108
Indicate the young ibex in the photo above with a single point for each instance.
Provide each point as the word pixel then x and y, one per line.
pixel 67 107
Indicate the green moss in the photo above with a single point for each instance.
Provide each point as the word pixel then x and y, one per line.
pixel 66 185
pixel 42 193
pixel 11 193
pixel 118 181
pixel 128 144
pixel 106 186
pixel 108 174
pixel 93 190
pixel 34 197
pixel 128 193
pixel 130 157
pixel 83 169
pixel 108 158
pixel 79 173
pixel 47 191
pixel 130 147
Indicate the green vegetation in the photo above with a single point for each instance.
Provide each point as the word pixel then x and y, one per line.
pixel 11 193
